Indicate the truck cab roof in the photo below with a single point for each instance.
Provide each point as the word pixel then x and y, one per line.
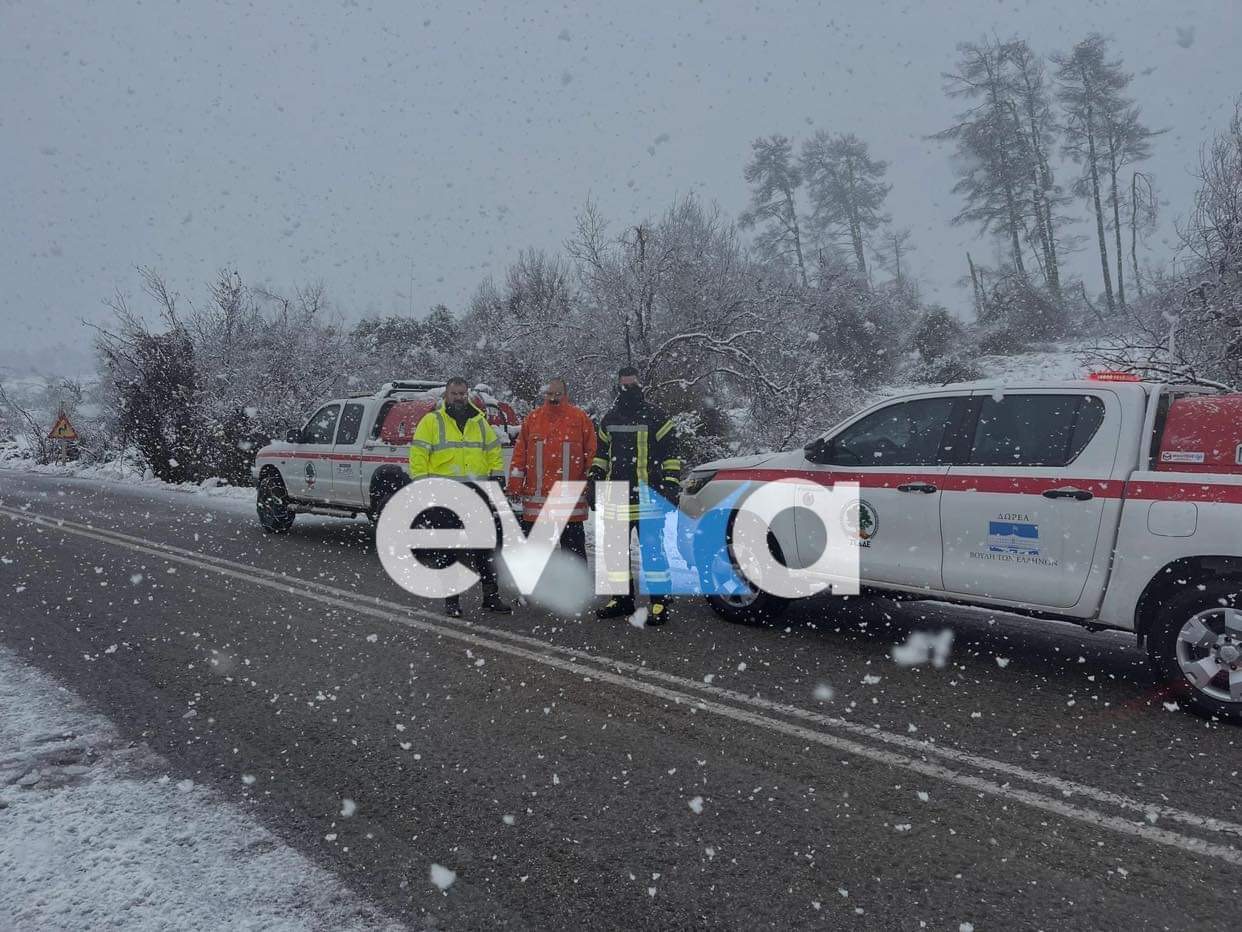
pixel 1002 384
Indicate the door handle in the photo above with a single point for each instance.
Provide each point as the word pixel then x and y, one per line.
pixel 924 487
pixel 1078 495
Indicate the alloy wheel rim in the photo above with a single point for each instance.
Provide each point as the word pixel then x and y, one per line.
pixel 1209 653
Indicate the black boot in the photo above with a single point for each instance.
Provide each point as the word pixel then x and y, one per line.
pixel 493 603
pixel 658 613
pixel 616 607
pixel 452 606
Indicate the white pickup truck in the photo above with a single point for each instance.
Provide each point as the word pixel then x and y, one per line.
pixel 1109 502
pixel 353 453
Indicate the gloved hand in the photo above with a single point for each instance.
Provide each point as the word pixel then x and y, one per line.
pixel 590 494
pixel 669 491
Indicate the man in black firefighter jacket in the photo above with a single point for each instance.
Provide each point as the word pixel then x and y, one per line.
pixel 638 444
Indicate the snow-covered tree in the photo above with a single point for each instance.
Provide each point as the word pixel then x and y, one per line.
pixel 995 161
pixel 775 177
pixel 846 190
pixel 200 394
pixel 1034 121
pixel 1103 134
pixel 1144 210
pixel 892 251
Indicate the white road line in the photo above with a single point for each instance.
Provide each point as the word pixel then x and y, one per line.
pixel 1067 788
pixel 353 602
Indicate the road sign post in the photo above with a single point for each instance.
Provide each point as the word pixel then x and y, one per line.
pixel 64 434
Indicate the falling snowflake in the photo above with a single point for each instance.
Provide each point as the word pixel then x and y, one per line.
pixel 922 646
pixel 442 877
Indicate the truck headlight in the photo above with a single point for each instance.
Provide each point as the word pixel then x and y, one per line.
pixel 697 481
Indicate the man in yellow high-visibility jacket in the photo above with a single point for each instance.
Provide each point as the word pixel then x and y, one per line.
pixel 456 441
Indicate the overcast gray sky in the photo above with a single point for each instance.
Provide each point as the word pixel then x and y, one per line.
pixel 350 141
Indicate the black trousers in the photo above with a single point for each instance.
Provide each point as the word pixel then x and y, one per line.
pixel 573 538
pixel 482 562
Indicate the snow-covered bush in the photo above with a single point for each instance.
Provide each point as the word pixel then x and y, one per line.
pixel 200 396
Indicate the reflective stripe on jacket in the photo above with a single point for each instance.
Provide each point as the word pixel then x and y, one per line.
pixel 440 448
pixel 638 445
pixel 557 442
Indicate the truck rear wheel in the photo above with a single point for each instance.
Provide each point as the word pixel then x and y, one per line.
pixel 382 489
pixel 273 504
pixel 1196 644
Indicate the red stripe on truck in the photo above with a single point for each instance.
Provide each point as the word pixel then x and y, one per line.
pixel 1144 490
pixel 1216 493
pixel 1020 485
pixel 335 458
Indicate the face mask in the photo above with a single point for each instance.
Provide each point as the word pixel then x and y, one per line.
pixel 554 401
pixel 630 394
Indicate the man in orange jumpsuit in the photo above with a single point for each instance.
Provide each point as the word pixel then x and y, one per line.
pixel 556 442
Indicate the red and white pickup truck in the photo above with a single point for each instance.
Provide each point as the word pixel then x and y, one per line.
pixel 353 453
pixel 1109 502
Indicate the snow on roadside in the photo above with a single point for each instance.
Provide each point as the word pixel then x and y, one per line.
pixel 94 834
pixel 127 474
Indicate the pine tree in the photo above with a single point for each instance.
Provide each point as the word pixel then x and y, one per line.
pixel 846 190
pixel 775 177
pixel 1127 141
pixel 1033 114
pixel 1143 211
pixel 1102 133
pixel 993 163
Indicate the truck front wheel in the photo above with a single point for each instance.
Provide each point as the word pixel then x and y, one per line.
pixel 273 504
pixel 1196 643
pixel 731 596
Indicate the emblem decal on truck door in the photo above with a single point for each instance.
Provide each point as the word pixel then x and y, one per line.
pixel 860 521
pixel 310 475
pixel 1013 537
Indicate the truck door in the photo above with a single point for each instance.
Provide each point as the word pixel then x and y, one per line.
pixel 310 475
pixel 899 455
pixel 1021 515
pixel 346 456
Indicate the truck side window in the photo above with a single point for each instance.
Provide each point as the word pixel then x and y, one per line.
pixel 378 427
pixel 1035 430
pixel 351 420
pixel 909 433
pixel 320 427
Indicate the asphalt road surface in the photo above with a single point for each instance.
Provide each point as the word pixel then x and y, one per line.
pixel 583 774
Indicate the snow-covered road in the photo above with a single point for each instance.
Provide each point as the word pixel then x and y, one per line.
pixel 568 773
pixel 95 834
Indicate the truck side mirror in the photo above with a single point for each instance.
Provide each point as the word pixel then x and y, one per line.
pixel 293 435
pixel 818 450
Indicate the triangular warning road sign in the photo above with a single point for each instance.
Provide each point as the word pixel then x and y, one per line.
pixel 62 429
